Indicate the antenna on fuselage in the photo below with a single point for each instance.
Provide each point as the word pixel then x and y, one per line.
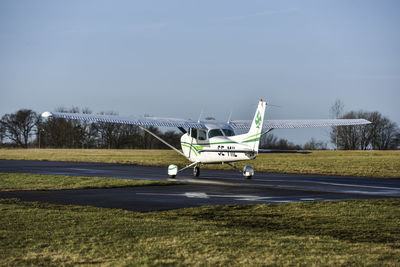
pixel 201 114
pixel 230 115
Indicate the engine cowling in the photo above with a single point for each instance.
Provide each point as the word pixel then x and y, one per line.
pixel 172 171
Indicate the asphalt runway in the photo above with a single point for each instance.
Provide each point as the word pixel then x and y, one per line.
pixel 213 187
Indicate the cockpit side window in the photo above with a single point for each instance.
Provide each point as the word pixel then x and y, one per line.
pixel 214 132
pixel 228 132
pixel 202 135
pixel 193 133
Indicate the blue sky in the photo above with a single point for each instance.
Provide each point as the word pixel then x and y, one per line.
pixel 177 58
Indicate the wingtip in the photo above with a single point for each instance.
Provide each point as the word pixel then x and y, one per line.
pixel 46 114
pixel 366 121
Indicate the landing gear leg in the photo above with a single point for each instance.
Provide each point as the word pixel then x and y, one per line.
pixel 173 169
pixel 234 166
pixel 247 172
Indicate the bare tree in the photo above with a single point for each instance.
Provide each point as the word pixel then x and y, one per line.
pixel 19 126
pixel 313 144
pixel 148 141
pixel 2 132
pixel 396 141
pixel 383 134
pixel 336 112
pixel 172 138
pixel 130 136
pixel 379 135
pixel 270 141
pixel 109 134
pixel 347 137
pixel 64 133
pixel 87 131
pixel 364 131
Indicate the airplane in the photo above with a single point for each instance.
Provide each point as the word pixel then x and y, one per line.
pixel 213 142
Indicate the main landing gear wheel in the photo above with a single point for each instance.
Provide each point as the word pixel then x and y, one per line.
pixel 196 171
pixel 248 172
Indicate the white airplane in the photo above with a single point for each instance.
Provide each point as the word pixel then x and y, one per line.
pixel 211 142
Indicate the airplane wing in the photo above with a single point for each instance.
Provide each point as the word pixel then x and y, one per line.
pixel 174 122
pixel 289 124
pixel 133 120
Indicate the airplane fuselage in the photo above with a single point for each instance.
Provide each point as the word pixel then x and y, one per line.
pixel 215 145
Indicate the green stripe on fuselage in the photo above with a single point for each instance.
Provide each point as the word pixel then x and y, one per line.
pixel 191 147
pixel 252 140
pixel 252 135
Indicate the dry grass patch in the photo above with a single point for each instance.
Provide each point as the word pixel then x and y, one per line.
pixel 360 232
pixel 21 181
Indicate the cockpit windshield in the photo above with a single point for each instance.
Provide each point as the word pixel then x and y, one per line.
pixel 201 134
pixel 214 133
pixel 228 132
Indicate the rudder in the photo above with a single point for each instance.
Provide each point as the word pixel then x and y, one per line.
pixel 254 134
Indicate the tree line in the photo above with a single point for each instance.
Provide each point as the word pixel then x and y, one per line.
pixel 26 128
pixel 381 134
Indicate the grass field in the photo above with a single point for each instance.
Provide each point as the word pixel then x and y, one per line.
pixel 18 181
pixel 362 232
pixel 382 164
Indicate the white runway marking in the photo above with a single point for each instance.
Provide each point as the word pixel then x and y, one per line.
pixel 204 195
pixel 202 181
pixel 196 195
pixel 355 185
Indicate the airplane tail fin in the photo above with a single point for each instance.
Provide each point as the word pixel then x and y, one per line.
pixel 254 134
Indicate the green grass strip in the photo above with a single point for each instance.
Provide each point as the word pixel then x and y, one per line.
pixel 20 181
pixel 355 233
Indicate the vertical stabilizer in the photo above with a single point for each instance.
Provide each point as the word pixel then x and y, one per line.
pixel 253 136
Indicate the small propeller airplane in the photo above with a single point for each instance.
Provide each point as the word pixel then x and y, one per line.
pixel 213 142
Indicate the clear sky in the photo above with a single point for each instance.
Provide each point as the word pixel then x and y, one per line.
pixel 177 58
